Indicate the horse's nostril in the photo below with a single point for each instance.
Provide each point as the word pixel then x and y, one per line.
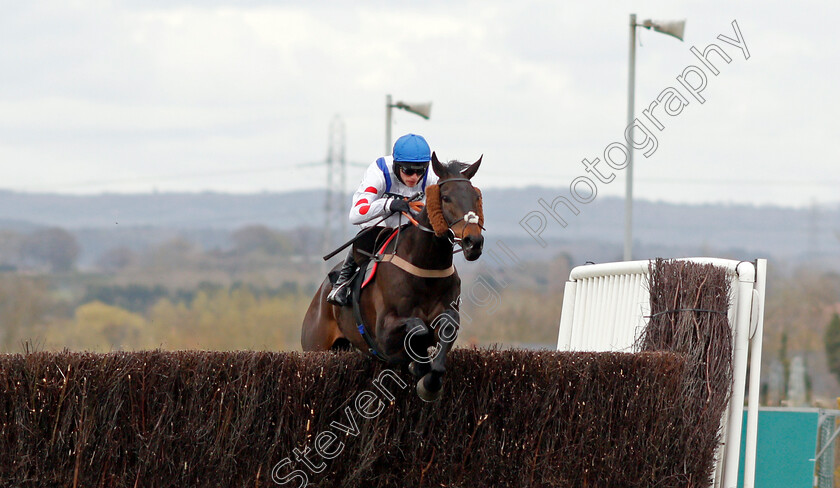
pixel 473 242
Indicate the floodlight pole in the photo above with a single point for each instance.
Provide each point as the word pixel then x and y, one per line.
pixel 671 28
pixel 631 95
pixel 388 106
pixel 417 109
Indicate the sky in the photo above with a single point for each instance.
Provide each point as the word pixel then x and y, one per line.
pixel 181 96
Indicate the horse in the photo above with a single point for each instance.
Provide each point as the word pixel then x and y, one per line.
pixel 411 306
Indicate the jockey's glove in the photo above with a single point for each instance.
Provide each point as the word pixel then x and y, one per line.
pixel 416 206
pixel 399 205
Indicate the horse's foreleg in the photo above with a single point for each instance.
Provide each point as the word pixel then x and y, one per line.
pixel 418 338
pixel 446 327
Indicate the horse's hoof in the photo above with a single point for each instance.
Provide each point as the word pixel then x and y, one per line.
pixel 416 370
pixel 426 395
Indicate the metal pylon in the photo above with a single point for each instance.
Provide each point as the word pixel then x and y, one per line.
pixel 335 207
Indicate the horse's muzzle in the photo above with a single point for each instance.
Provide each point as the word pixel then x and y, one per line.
pixel 472 245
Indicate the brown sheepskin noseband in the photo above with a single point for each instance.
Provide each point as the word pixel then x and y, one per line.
pixel 435 213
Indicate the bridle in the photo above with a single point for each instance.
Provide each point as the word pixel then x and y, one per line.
pixel 470 218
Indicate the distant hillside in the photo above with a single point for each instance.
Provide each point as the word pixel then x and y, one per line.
pixel 660 228
pixel 171 210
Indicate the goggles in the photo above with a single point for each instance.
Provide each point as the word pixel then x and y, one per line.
pixel 413 170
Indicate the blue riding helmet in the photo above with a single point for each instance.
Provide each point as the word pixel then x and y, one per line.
pixel 412 148
pixel 411 152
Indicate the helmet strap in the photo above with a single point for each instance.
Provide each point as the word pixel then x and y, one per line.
pixel 397 172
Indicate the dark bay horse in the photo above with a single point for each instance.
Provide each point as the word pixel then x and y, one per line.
pixel 410 311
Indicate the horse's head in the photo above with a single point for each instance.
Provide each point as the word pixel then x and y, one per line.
pixel 454 205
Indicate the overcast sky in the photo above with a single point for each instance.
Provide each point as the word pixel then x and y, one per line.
pixel 223 96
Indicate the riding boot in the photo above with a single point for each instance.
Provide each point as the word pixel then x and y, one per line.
pixel 340 294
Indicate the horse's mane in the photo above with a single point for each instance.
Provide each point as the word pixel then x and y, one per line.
pixel 454 167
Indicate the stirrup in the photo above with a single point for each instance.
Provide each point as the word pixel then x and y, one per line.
pixel 340 295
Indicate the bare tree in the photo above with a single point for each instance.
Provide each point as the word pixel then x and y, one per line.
pixel 55 247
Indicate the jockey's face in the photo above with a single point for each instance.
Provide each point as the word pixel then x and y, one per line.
pixel 412 179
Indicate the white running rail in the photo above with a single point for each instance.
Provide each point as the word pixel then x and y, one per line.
pixel 604 309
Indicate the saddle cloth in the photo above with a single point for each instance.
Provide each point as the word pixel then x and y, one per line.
pixel 370 268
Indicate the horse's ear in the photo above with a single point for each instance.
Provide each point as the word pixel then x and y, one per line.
pixel 471 170
pixel 437 167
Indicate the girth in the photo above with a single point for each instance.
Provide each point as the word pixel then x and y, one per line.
pixel 415 270
pixel 356 298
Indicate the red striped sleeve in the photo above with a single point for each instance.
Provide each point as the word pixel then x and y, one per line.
pixel 371 189
pixel 363 200
pixel 364 209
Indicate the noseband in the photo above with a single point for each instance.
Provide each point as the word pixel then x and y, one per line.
pixel 470 217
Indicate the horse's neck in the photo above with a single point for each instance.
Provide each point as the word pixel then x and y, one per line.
pixel 422 248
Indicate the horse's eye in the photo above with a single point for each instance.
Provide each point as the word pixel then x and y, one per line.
pixel 446 198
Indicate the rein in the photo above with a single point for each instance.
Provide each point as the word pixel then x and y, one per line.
pixel 383 257
pixel 435 216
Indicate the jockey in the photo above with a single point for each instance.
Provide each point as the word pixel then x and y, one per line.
pixel 384 193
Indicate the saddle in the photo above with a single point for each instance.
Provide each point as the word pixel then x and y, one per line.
pixel 361 278
pixel 366 275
